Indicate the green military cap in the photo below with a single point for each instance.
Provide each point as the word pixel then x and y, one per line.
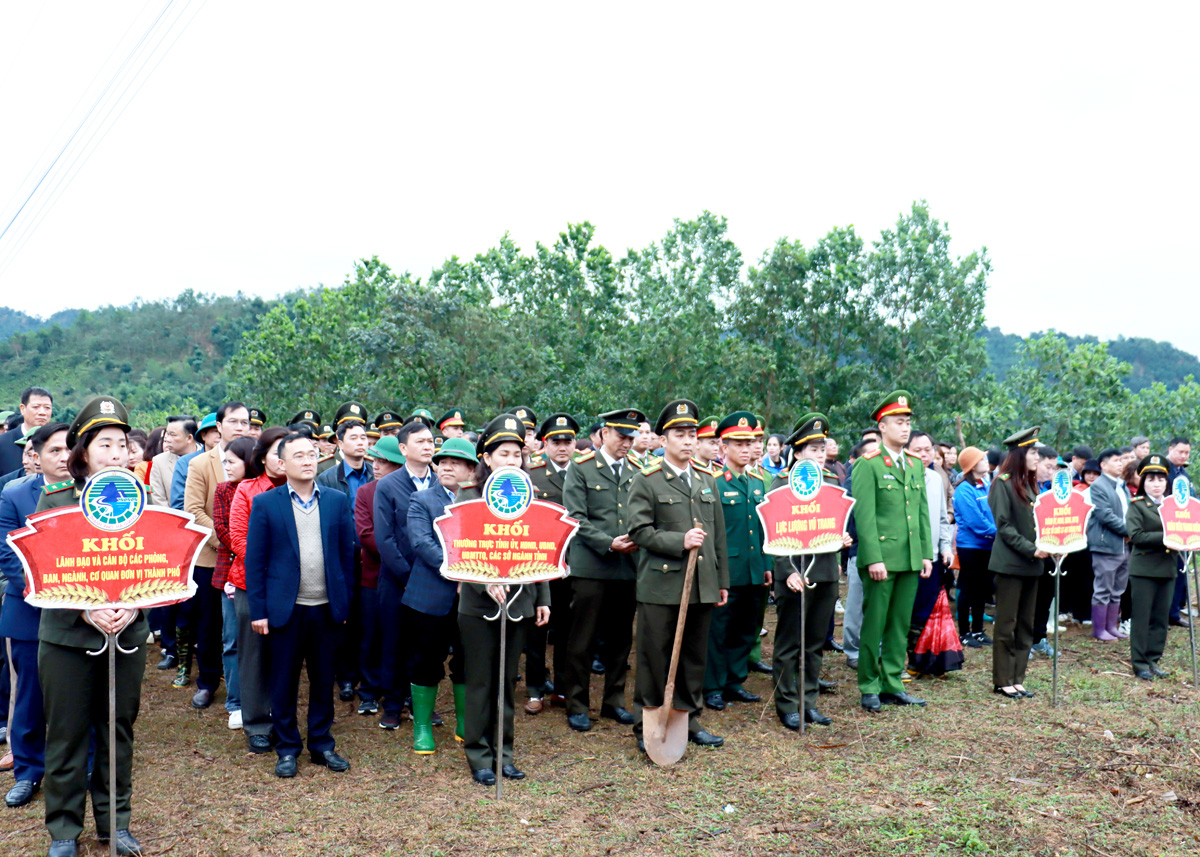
pixel 257 417
pixel 372 431
pixel 1154 463
pixel 1025 437
pixel 387 420
pixel 812 426
pixel 760 426
pixel 708 427
pixel 21 441
pixel 308 418
pixel 624 420
pixel 422 414
pixel 894 403
pixel 526 414
pixel 349 411
pixel 325 432
pixel 97 413
pixel 504 428
pixel 452 417
pixel 681 413
pixel 387 448
pixel 737 426
pixel 456 447
pixel 558 425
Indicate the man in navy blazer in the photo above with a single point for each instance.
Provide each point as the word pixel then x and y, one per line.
pixel 19 621
pixel 299 576
pixel 392 499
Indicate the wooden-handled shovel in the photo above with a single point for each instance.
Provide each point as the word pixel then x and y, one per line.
pixel 664 727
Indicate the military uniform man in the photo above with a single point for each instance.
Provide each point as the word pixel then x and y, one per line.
pixel 603 575
pixel 665 501
pixel 451 423
pixel 388 424
pixel 422 414
pixel 326 447
pixel 735 625
pixel 708 445
pixel 557 434
pixel 308 418
pixel 892 518
pixel 258 419
pixel 808 442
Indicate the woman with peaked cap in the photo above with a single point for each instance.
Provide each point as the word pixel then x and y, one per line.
pixel 1152 569
pixel 501 444
pixel 1016 562
pixel 75 683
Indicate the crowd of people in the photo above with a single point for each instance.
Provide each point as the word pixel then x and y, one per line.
pixel 323 557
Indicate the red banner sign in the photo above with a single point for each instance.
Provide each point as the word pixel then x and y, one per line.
pixel 806 516
pixel 506 536
pixel 1181 517
pixel 1060 516
pixel 110 551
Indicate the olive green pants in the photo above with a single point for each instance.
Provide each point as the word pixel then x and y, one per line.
pixel 883 642
pixel 1150 599
pixel 818 609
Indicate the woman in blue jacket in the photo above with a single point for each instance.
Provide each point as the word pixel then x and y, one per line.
pixel 976 533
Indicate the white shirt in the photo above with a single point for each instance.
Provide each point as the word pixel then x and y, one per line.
pixel 684 473
pixel 611 461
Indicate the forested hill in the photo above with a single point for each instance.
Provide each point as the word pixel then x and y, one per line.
pixel 1151 361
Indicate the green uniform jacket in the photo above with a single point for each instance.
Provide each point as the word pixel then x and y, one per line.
pixel 547 481
pixel 1150 557
pixel 601 505
pixel 891 512
pixel 743 531
pixel 661 509
pixel 1013 550
pixel 825 568
pixel 473 599
pixel 67 627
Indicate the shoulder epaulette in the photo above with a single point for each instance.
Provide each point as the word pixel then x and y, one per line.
pixel 1138 497
pixel 59 486
pixel 470 484
pixel 534 465
pixel 702 467
pixel 1003 477
pixel 910 455
pixel 828 473
pixel 874 452
pixel 586 456
pixel 537 456
pixel 652 468
pixel 324 458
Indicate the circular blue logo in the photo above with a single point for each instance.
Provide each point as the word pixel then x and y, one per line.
pixel 805 479
pixel 1061 486
pixel 113 499
pixel 508 492
pixel 1181 490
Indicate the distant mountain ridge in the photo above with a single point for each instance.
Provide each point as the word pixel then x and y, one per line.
pixel 14 321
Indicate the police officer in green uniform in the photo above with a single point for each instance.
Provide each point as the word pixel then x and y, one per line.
pixel 665 500
pixel 735 625
pixel 74 683
pixel 1153 568
pixel 603 574
pixel 892 518
pixel 808 441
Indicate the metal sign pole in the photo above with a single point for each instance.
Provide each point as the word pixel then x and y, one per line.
pixel 112 745
pixel 1058 574
pixel 1190 556
pixel 804 584
pixel 499 750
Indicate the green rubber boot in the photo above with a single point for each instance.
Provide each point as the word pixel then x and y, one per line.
pixel 183 663
pixel 460 708
pixel 423 699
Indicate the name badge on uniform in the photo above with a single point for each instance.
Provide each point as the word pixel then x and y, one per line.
pixel 888 476
pixel 706 491
pixel 757 491
pixel 733 493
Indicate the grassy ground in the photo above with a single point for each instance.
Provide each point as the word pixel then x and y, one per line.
pixel 1114 770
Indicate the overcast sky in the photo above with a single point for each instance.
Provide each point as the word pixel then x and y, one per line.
pixel 276 143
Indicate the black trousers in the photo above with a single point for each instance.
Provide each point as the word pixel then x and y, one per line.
pixel 370 645
pixel 481 639
pixel 975 581
pixel 556 632
pixel 818 608
pixel 1150 598
pixel 431 639
pixel 253 670
pixel 309 638
pixel 1013 637
pixel 604 610
pixel 732 632
pixel 1045 599
pixel 656 637
pixel 394 639
pixel 199 622
pixel 1078 584
pixel 346 661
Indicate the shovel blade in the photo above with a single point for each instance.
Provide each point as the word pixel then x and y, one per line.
pixel 665 734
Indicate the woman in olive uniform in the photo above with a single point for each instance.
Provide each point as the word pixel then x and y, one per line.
pixel 500 445
pixel 74 683
pixel 807 442
pixel 1153 568
pixel 1016 562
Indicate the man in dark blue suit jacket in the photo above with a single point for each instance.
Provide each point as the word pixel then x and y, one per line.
pixel 299 576
pixel 392 499
pixel 19 621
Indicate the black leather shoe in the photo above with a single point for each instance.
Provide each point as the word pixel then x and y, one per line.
pixel 597 666
pixel 760 667
pixel 202 698
pixel 715 701
pixel 331 760
pixel 617 713
pixel 484 777
pixel 740 694
pixel 901 698
pixel 641 745
pixel 1016 694
pixel 579 722
pixel 1145 675
pixel 1025 692
pixel 705 739
pixel 167 663
pixel 345 691
pixel 285 767
pixel 833 646
pixel 790 721
pixel 1158 672
pixel 870 702
pixel 259 743
pixel 811 715
pixel 63 848
pixel 826 686
pixel 126 844
pixel 511 773
pixel 21 793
